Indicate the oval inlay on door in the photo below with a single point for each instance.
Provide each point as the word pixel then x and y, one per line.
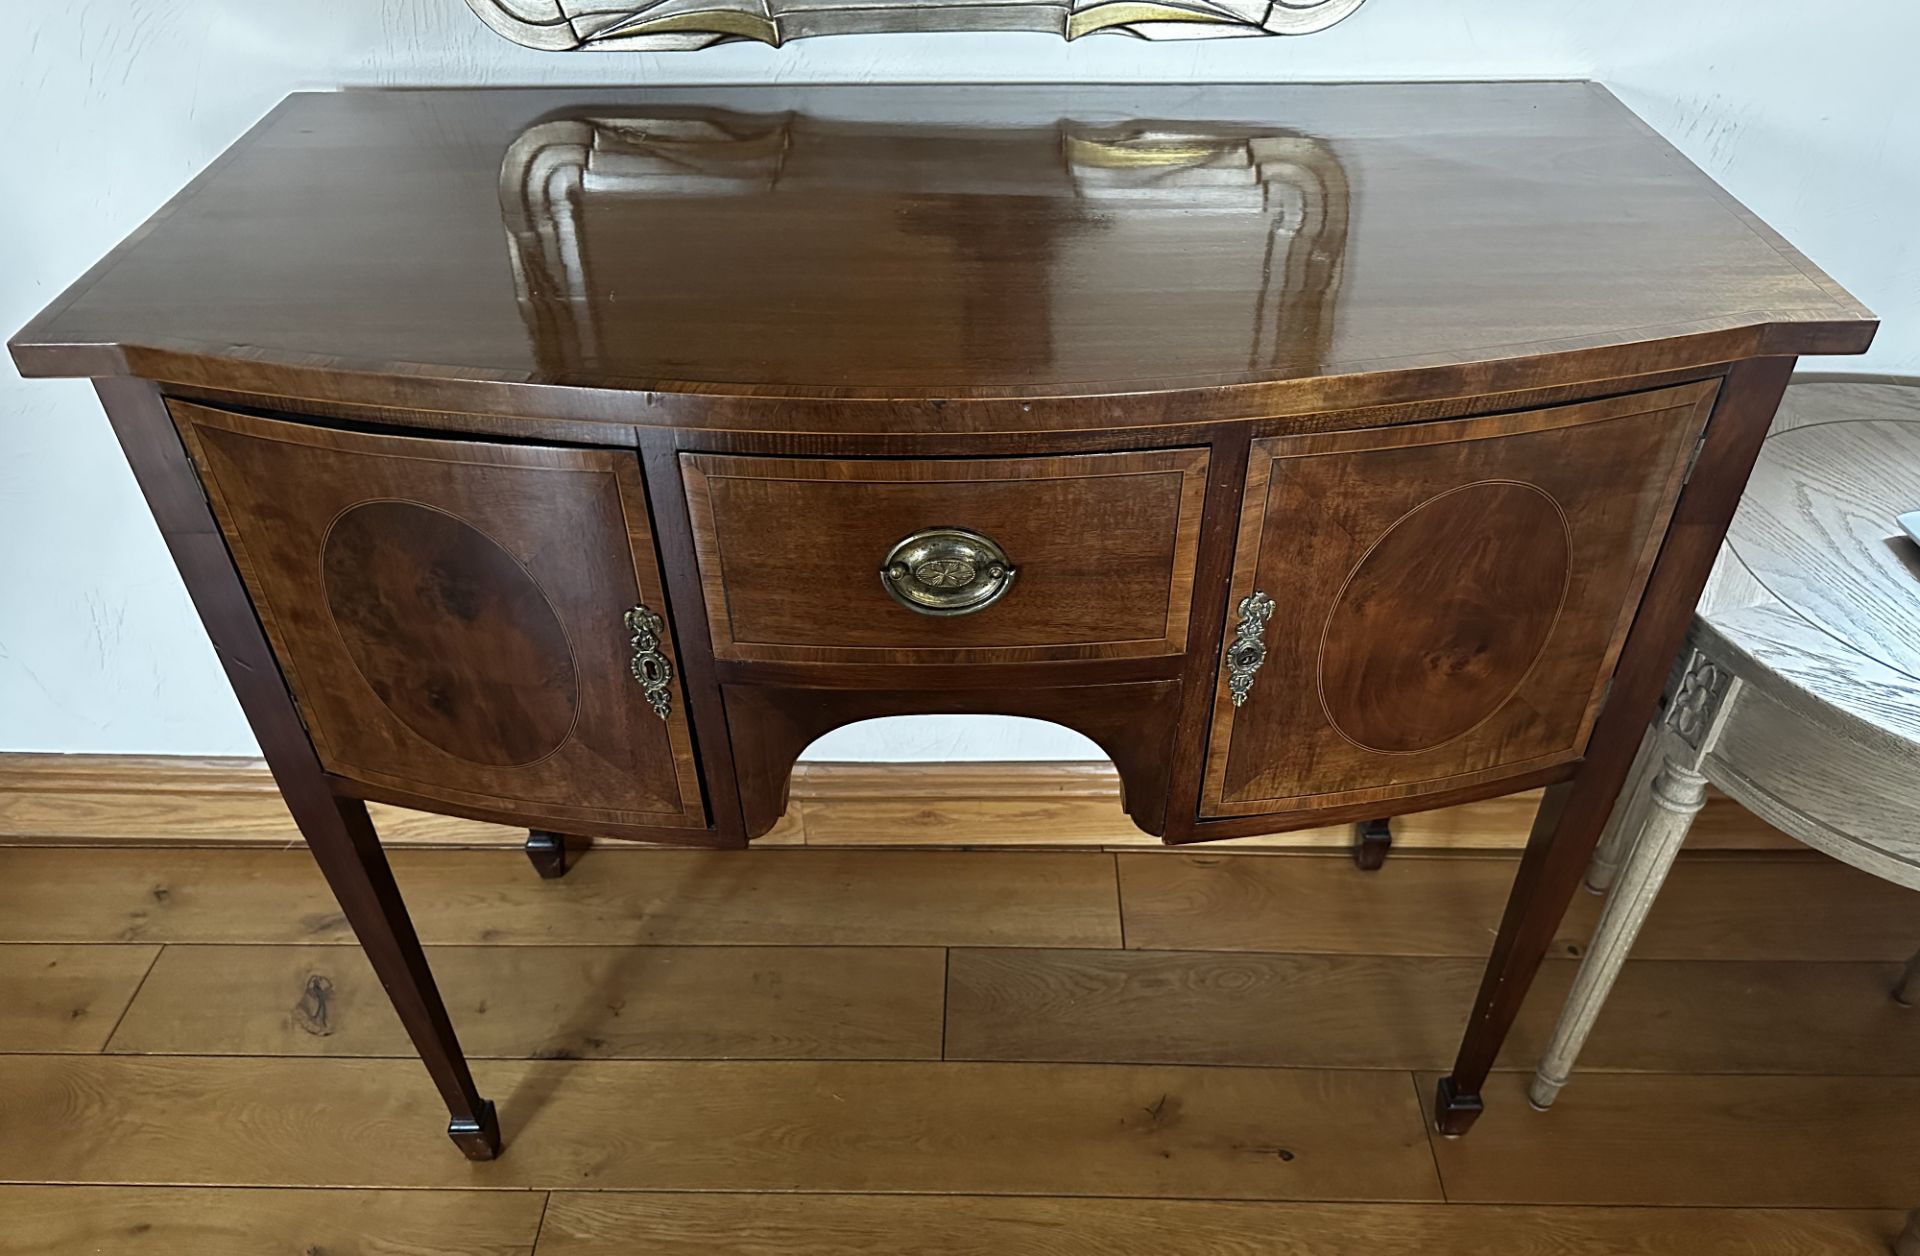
pixel 1442 619
pixel 450 632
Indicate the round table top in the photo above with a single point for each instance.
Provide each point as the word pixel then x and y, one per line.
pixel 1818 585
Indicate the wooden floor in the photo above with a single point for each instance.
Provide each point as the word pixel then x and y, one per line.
pixel 808 1052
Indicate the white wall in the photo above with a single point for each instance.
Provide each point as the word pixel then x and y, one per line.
pixel 1810 114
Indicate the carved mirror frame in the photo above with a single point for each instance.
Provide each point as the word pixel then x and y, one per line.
pixel 680 25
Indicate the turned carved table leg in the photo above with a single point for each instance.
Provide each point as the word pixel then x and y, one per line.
pixel 1909 988
pixel 1655 820
pixel 547 851
pixel 1372 839
pixel 1908 1244
pixel 1623 826
pixel 1673 798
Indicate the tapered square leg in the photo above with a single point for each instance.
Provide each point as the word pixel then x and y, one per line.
pixel 548 853
pixel 337 828
pixel 349 854
pixel 1572 815
pixel 1673 798
pixel 1372 839
pixel 477 1136
pixel 1453 1112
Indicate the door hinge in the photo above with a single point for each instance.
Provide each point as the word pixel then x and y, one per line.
pixel 1693 459
pixel 199 475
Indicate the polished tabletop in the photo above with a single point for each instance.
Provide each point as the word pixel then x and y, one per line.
pixel 938 243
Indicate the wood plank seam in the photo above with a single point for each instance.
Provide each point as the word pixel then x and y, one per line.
pixel 1432 1133
pixel 106 1044
pixel 946 997
pixel 546 1202
pixel 1647 1098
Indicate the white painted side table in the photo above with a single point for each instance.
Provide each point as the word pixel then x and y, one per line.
pixel 1798 692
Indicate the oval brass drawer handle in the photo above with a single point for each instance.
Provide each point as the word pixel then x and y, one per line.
pixel 946 571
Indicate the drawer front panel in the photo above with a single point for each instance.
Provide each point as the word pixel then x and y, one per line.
pixel 796 556
pixel 1446 599
pixel 452 616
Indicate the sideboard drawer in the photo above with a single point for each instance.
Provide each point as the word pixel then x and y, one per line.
pixel 947 560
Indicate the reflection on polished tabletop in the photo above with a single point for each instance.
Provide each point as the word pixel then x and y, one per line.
pixel 740 247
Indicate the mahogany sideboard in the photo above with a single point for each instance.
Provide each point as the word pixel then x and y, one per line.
pixel 573 459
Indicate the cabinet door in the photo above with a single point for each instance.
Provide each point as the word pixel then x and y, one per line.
pixel 452 615
pixel 1447 598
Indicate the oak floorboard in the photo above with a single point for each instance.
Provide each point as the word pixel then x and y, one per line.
pixel 464 897
pixel 1618 1138
pixel 963 1128
pixel 186 1221
pixel 556 1002
pixel 1309 904
pixel 1761 908
pixel 1713 907
pixel 66 998
pixel 612 1224
pixel 1363 1011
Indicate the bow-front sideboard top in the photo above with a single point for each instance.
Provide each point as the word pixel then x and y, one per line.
pixel 574 459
